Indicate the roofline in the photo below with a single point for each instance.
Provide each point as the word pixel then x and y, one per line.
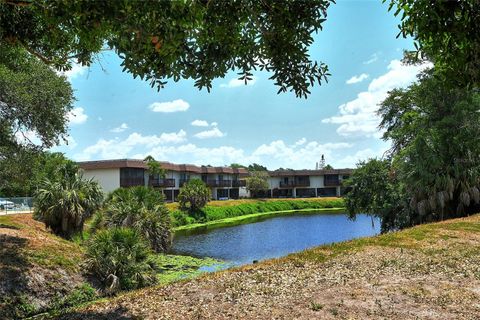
pixel 141 164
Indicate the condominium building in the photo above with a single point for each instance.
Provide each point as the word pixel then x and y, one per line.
pixel 307 183
pixel 224 182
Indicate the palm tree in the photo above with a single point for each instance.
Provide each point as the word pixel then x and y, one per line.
pixel 65 204
pixel 142 209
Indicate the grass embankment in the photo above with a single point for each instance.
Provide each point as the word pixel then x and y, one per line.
pixel 430 271
pixel 36 267
pixel 40 272
pixel 224 211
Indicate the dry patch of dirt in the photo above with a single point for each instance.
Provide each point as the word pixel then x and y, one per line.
pixel 427 272
pixel 35 266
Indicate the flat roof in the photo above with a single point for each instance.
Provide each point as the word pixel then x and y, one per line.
pixel 308 172
pixel 136 163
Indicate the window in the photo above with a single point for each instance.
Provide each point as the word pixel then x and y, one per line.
pixel 130 177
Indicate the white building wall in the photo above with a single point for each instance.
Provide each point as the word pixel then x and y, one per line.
pixel 316 182
pixel 274 182
pixel 243 192
pixel 108 179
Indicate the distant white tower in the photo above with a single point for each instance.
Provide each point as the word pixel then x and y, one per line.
pixel 321 164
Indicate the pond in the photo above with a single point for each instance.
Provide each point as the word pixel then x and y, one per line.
pixel 274 237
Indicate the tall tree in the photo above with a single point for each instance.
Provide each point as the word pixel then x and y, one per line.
pixel 34 106
pixel 256 167
pixel 257 182
pixel 433 129
pixel 433 168
pixel 159 40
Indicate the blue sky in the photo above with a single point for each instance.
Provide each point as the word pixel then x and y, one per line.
pixel 116 116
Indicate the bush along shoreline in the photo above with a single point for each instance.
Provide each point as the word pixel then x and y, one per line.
pixel 212 213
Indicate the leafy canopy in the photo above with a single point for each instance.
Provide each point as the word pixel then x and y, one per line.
pixel 433 168
pixel 159 40
pixel 446 33
pixel 34 106
pixel 257 181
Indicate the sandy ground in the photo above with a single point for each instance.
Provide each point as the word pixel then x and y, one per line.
pixel 426 273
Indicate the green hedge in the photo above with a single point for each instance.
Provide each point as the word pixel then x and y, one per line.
pixel 211 213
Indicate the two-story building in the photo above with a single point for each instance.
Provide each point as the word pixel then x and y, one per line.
pixel 306 183
pixel 224 182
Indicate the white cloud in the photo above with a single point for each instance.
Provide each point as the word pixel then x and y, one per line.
pixel 274 154
pixel 359 116
pixel 351 161
pixel 212 133
pixel 27 137
pixel 374 57
pixel 199 123
pixel 214 124
pixel 77 116
pixel 300 142
pixel 117 148
pixel 234 83
pixel 72 144
pixel 170 106
pixel 77 70
pixel 120 128
pixel 357 79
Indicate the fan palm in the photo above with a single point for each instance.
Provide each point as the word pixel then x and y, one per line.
pixel 142 209
pixel 63 205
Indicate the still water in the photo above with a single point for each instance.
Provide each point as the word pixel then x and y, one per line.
pixel 274 237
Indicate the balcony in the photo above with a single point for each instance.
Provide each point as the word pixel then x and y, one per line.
pixel 219 183
pixel 131 181
pixel 297 183
pixel 163 183
pixel 331 180
pixel 239 183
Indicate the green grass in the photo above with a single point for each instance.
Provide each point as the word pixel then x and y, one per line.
pixel 216 212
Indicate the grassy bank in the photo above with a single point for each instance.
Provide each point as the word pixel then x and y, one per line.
pixel 249 218
pixel 40 272
pixel 430 271
pixel 219 210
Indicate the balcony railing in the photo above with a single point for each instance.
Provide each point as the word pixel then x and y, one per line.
pixel 163 183
pixel 219 183
pixel 331 183
pixel 292 184
pixel 132 181
pixel 239 183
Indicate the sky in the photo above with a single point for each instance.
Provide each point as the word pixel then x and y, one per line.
pixel 116 116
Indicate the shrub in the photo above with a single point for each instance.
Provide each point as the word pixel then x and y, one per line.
pixel 65 204
pixel 142 209
pixel 120 253
pixel 193 196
